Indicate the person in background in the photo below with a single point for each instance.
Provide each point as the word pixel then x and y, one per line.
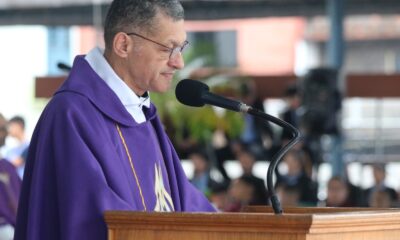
pixel 18 153
pixel 10 186
pixel 241 193
pixel 379 172
pixel 201 177
pixel 381 199
pixel 247 161
pixel 219 195
pixel 257 135
pixel 291 113
pixel 341 193
pixel 3 131
pixel 338 194
pixel 297 177
pixel 288 195
pixel 99 145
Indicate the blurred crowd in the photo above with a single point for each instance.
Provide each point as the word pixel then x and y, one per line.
pixel 295 177
pixel 12 161
pixel 295 187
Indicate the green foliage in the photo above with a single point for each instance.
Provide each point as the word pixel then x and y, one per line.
pixel 203 50
pixel 200 123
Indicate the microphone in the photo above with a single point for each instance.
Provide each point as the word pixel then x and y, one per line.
pixel 196 94
pixel 64 66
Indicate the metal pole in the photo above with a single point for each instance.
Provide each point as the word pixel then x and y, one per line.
pixel 334 59
pixel 335 46
pixel 97 20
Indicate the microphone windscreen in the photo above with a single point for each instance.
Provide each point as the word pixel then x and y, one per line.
pixel 190 92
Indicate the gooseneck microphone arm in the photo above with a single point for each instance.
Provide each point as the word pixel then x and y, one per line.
pixel 196 94
pixel 276 205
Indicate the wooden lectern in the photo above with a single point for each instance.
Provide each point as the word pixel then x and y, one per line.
pixel 258 223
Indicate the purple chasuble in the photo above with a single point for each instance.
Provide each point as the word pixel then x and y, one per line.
pixel 88 155
pixel 10 187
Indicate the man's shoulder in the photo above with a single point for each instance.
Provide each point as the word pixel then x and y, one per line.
pixel 69 105
pixel 68 100
pixel 72 113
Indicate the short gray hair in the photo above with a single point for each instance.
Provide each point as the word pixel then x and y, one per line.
pixel 137 14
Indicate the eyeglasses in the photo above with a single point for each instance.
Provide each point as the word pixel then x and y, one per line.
pixel 173 52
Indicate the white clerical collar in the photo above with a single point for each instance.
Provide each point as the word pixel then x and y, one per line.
pixel 129 99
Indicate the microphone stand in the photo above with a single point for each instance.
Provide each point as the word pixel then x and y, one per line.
pixel 276 205
pixel 196 94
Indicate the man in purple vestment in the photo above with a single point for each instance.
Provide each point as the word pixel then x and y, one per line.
pixel 10 186
pixel 99 144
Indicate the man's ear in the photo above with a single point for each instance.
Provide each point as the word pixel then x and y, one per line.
pixel 121 44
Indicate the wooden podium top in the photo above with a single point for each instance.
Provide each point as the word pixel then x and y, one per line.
pixel 261 223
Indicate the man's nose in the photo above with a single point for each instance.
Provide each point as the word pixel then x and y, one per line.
pixel 176 61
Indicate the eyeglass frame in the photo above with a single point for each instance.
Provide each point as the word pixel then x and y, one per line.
pixel 172 50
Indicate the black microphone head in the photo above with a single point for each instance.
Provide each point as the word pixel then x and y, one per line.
pixel 190 92
pixel 64 66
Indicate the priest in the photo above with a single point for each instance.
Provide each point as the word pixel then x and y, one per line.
pixel 99 144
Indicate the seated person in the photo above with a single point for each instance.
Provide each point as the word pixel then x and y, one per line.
pixel 379 173
pixel 296 177
pixel 288 195
pixel 338 193
pixel 247 160
pixel 10 186
pixel 201 178
pixel 241 193
pixel 381 199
